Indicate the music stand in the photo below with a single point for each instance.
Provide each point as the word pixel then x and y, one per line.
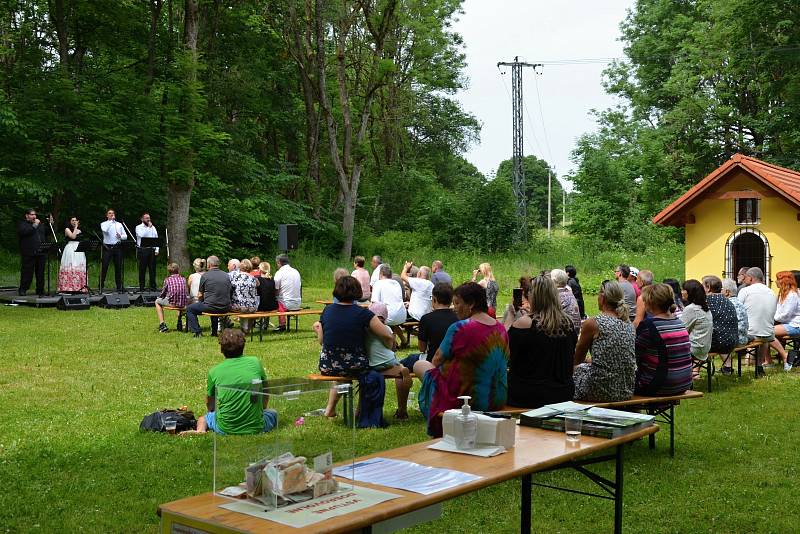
pixel 150 242
pixel 46 248
pixel 89 245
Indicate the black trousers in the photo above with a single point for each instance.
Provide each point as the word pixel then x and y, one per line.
pixel 33 264
pixel 112 253
pixel 147 262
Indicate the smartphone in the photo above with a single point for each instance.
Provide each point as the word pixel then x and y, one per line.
pixel 517 298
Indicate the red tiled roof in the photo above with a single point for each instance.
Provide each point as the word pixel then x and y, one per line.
pixel 783 181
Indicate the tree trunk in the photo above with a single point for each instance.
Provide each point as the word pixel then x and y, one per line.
pixel 180 189
pixel 178 202
pixel 348 223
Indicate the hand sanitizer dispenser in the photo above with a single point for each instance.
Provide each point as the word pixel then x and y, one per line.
pixel 465 429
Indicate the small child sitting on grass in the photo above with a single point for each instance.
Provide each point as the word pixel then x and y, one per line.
pixel 384 361
pixel 172 294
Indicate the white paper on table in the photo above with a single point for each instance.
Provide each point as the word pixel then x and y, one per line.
pixel 484 451
pixel 404 475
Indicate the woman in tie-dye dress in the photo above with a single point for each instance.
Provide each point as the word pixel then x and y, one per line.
pixel 472 360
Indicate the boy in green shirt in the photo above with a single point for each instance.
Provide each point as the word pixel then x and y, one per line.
pixel 236 410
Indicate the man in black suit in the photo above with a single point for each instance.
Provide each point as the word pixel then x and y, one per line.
pixel 31 234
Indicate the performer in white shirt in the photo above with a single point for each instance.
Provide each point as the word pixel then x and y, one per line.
pixel 288 288
pixel 113 236
pixel 146 255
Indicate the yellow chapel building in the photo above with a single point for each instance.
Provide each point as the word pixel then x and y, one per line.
pixel 744 214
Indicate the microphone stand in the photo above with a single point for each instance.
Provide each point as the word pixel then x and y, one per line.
pixel 132 236
pixel 100 270
pixel 166 236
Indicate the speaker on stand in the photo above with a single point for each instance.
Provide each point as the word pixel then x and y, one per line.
pixel 287 237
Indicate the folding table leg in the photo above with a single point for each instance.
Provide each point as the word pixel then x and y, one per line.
pixel 525 504
pixel 618 492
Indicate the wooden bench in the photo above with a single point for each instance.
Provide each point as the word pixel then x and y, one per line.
pixel 663 407
pixel 347 393
pixel 410 327
pixel 751 349
pixel 263 318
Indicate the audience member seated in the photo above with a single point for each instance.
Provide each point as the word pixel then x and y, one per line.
pixel 633 278
pixel 214 296
pixel 611 375
pixel 622 273
pixel 645 278
pixel 389 291
pixel 489 283
pixel 676 289
pixel 231 411
pixel 761 304
pixel 575 285
pixel 724 336
pixel 172 294
pixel 511 313
pixel 233 266
pixel 288 288
pixel 362 275
pixel 193 281
pixel 787 314
pixel 376 263
pixel 569 304
pixel 740 278
pixel 383 360
pixel 730 290
pixel 542 347
pixel 439 274
pixel 698 320
pixel 255 261
pixel 341 332
pixel 419 303
pixel 471 360
pixel 663 349
pixel 244 298
pixel 434 325
pixel 267 299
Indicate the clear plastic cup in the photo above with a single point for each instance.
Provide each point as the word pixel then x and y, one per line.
pixel 572 428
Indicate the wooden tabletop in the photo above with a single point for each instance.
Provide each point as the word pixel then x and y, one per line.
pixel 536 449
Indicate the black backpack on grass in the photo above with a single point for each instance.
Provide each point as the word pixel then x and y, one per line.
pixel 154 422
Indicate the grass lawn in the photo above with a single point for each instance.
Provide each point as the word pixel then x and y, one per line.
pixel 74 386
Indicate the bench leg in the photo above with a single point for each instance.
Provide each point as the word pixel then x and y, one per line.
pixel 739 362
pixel 618 493
pixel 651 439
pixel 671 431
pixel 709 368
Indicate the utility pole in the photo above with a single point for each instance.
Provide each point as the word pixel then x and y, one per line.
pixel 549 202
pixel 563 207
pixel 517 155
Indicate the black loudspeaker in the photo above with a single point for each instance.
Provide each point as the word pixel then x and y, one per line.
pixel 287 237
pixel 78 302
pixel 145 300
pixel 115 300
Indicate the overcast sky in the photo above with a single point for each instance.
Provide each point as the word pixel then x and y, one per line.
pixel 537 31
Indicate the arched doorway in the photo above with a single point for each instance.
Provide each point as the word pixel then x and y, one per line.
pixel 747 247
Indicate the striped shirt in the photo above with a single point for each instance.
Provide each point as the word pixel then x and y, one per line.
pixel 174 290
pixel 663 357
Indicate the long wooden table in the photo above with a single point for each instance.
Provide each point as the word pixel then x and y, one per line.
pixel 536 450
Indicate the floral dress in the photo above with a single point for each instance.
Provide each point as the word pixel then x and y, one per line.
pixel 611 375
pixel 245 292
